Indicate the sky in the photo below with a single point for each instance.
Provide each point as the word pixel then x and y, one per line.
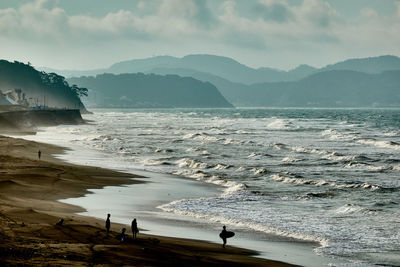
pixel 90 34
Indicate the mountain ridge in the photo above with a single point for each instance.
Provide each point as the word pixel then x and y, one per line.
pixel 235 71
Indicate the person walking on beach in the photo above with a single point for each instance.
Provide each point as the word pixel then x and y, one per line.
pixel 223 236
pixel 134 228
pixel 108 223
pixel 39 154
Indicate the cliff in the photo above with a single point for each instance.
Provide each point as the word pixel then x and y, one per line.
pixel 40 88
pixel 29 120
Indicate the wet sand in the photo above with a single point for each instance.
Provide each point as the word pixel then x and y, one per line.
pixel 29 211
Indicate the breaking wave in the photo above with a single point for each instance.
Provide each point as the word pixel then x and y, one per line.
pixel 303 181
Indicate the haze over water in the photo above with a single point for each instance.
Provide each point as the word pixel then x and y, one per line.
pixel 325 175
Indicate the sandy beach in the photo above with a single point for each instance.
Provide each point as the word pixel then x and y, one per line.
pixel 29 190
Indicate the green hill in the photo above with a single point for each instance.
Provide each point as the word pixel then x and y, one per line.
pixel 150 91
pixel 40 88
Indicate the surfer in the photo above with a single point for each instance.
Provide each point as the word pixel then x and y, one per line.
pixel 134 228
pixel 39 153
pixel 108 223
pixel 223 236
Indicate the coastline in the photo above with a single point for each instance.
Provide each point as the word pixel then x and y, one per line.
pixel 30 190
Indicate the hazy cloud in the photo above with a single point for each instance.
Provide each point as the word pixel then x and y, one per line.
pixel 274 27
pixel 278 11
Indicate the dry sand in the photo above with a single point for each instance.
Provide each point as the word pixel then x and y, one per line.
pixel 29 211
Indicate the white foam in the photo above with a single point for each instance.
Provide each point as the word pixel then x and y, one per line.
pixel 230 141
pixel 382 144
pixel 332 134
pixel 257 171
pixel 300 149
pixel 241 169
pixel 280 124
pixel 221 166
pixel 191 163
pixel 203 137
pixel 337 157
pixel 302 181
pixel 290 159
pixel 396 168
pixel 154 162
pixel 380 168
pixel 392 134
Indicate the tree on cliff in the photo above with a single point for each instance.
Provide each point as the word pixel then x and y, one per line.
pixel 79 91
pixel 49 89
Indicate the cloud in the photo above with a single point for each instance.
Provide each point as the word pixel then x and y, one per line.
pixel 39 19
pixel 273 28
pixel 278 11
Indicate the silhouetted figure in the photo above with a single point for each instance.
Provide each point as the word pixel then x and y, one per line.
pixel 60 222
pixel 223 235
pixel 108 223
pixel 122 235
pixel 134 228
pixel 39 154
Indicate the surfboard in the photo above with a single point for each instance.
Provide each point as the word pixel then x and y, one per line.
pixel 228 234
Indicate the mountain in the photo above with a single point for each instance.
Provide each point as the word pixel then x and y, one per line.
pixel 234 71
pixel 40 88
pixel 142 65
pixel 300 72
pixel 231 91
pixel 245 86
pixel 221 66
pixel 367 65
pixel 150 91
pixel 337 88
pixel 224 67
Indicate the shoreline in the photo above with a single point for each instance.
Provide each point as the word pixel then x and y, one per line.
pixel 29 195
pixel 268 246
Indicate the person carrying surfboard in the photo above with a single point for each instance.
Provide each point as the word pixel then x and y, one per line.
pixel 225 234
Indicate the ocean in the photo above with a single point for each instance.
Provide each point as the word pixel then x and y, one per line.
pixel 330 176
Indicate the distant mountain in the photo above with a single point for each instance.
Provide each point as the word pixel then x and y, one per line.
pixel 40 88
pixel 300 72
pixel 234 71
pixel 73 73
pixel 245 86
pixel 150 91
pixel 224 67
pixel 338 88
pixel 367 65
pixel 142 65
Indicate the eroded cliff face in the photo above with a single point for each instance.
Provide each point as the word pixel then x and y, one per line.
pixel 24 121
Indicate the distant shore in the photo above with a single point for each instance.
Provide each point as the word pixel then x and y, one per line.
pixel 29 190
